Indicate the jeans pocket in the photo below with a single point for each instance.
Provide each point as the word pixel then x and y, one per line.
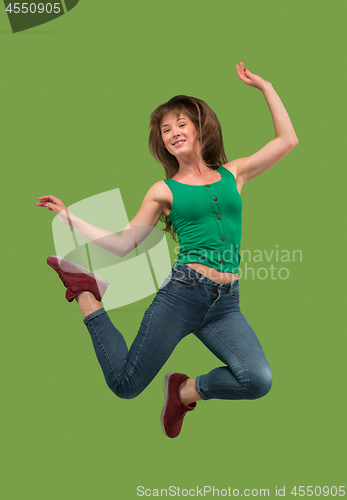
pixel 179 278
pixel 166 281
pixel 234 292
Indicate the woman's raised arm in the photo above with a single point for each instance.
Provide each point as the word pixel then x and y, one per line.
pixel 286 139
pixel 120 244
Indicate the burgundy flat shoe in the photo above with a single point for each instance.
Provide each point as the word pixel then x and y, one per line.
pixel 77 278
pixel 173 410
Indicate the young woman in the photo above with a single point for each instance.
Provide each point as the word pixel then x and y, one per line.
pixel 200 201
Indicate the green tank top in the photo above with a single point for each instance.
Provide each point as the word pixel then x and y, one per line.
pixel 208 222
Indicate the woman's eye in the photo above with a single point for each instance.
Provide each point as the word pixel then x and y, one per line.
pixel 182 125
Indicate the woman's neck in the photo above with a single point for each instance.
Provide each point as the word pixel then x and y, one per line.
pixel 192 167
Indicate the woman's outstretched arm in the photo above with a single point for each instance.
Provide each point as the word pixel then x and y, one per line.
pixel 120 244
pixel 286 139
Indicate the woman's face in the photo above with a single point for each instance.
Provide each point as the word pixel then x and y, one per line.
pixel 178 133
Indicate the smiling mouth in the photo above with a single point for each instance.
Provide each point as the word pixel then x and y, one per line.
pixel 178 143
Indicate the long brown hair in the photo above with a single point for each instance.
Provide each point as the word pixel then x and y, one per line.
pixel 209 136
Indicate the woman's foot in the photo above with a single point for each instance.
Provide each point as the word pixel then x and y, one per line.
pixel 77 278
pixel 174 410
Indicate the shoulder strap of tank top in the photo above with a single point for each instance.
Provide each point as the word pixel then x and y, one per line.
pixel 225 172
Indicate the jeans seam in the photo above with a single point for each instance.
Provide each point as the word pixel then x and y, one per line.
pixel 144 338
pixel 224 389
pixel 238 357
pixel 208 310
pixel 104 350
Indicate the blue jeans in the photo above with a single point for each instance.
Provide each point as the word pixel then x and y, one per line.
pixel 187 302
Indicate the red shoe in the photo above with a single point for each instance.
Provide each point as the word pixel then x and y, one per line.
pixel 77 278
pixel 174 410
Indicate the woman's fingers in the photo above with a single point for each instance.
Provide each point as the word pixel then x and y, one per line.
pixel 45 204
pixel 247 77
pixel 242 66
pixel 241 72
pixel 49 198
pixel 51 203
pixel 51 206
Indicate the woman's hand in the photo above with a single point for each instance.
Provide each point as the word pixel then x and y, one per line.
pixel 250 78
pixel 52 203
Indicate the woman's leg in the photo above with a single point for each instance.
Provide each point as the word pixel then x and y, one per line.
pixel 247 374
pixel 223 329
pixel 128 372
pixel 167 320
pixel 227 334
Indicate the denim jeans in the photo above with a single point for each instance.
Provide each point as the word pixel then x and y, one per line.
pixel 187 302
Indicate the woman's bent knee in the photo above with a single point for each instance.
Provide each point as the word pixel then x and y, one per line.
pixel 260 385
pixel 123 391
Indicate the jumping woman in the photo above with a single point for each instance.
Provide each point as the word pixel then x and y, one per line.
pixel 199 201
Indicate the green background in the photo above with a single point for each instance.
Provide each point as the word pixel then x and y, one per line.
pixel 76 96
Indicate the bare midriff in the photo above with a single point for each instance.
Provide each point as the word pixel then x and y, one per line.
pixel 212 273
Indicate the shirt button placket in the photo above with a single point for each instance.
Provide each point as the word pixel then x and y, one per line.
pixel 219 217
